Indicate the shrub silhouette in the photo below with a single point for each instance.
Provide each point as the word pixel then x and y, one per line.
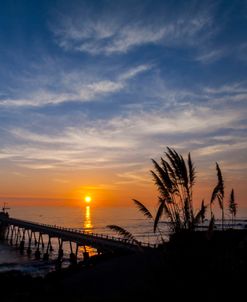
pixel 175 178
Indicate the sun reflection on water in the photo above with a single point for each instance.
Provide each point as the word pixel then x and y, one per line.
pixel 88 229
pixel 87 220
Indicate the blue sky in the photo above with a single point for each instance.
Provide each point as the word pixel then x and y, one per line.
pixel 107 85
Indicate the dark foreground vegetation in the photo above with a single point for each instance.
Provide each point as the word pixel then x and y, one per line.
pixel 188 268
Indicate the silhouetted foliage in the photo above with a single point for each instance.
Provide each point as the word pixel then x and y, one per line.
pixel 143 209
pixel 121 231
pixel 219 193
pixel 232 205
pixel 201 215
pixel 175 178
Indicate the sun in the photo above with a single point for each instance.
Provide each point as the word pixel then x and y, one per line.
pixel 87 199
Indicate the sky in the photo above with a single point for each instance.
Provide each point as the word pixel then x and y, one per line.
pixel 90 91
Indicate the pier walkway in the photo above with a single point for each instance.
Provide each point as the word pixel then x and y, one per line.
pixel 16 231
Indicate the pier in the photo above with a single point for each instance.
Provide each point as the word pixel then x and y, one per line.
pixel 23 234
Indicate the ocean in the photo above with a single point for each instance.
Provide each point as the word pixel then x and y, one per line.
pixel 88 218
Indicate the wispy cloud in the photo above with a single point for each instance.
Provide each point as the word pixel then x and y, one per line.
pixel 137 176
pixel 232 88
pixel 132 72
pixel 83 91
pixel 120 141
pixel 210 55
pixel 230 93
pixel 105 34
pixel 61 180
pixel 220 148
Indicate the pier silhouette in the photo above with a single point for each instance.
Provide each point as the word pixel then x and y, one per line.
pixel 22 234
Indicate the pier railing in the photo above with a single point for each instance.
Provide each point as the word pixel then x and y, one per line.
pixel 92 234
pixel 46 228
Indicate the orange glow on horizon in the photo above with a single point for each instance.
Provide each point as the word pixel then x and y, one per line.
pixel 73 194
